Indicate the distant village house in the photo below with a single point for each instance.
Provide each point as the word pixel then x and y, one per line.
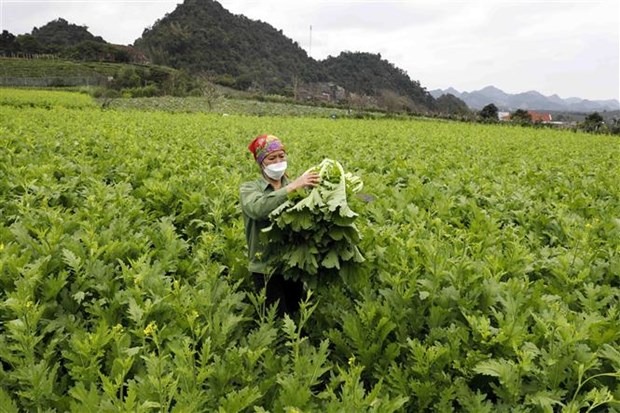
pixel 537 117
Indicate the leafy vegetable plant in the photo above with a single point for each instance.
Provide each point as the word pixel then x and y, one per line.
pixel 490 281
pixel 314 230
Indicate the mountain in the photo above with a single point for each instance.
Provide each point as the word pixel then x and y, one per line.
pixel 448 91
pixel 59 33
pixel 203 38
pixel 531 100
pixel 65 40
pixel 369 74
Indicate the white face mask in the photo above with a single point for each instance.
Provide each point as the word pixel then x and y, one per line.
pixel 275 171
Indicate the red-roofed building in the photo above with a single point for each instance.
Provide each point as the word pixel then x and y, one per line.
pixel 538 117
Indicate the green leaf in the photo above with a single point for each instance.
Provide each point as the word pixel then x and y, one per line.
pixel 74 262
pixel 7 403
pixel 495 368
pixel 612 354
pixel 331 260
pixel 545 400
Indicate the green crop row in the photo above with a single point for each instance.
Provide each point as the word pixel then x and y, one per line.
pixel 13 67
pixel 25 97
pixel 491 281
pixel 18 67
pixel 223 105
pixel 45 99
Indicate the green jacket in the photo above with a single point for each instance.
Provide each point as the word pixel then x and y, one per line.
pixel 258 199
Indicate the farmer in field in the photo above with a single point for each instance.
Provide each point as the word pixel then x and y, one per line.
pixel 258 199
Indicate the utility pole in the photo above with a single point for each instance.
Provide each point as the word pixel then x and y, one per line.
pixel 310 48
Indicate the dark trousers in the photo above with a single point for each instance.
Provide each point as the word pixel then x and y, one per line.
pixel 288 293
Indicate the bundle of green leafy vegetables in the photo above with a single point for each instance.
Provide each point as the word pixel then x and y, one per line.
pixel 314 231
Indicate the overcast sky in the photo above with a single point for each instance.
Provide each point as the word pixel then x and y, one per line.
pixel 569 48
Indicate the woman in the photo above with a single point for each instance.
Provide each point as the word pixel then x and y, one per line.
pixel 258 199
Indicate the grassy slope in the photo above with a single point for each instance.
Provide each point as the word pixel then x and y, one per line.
pixel 222 104
pixel 228 100
pixel 12 67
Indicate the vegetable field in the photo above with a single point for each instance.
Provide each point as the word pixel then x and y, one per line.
pixel 491 279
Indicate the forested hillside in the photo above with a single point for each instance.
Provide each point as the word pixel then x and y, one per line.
pixel 59 34
pixel 369 74
pixel 60 38
pixel 203 37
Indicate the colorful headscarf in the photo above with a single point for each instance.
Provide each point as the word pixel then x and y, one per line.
pixel 263 145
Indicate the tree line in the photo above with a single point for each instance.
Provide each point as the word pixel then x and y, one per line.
pixel 593 122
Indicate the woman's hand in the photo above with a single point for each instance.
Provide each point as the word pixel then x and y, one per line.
pixel 307 180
